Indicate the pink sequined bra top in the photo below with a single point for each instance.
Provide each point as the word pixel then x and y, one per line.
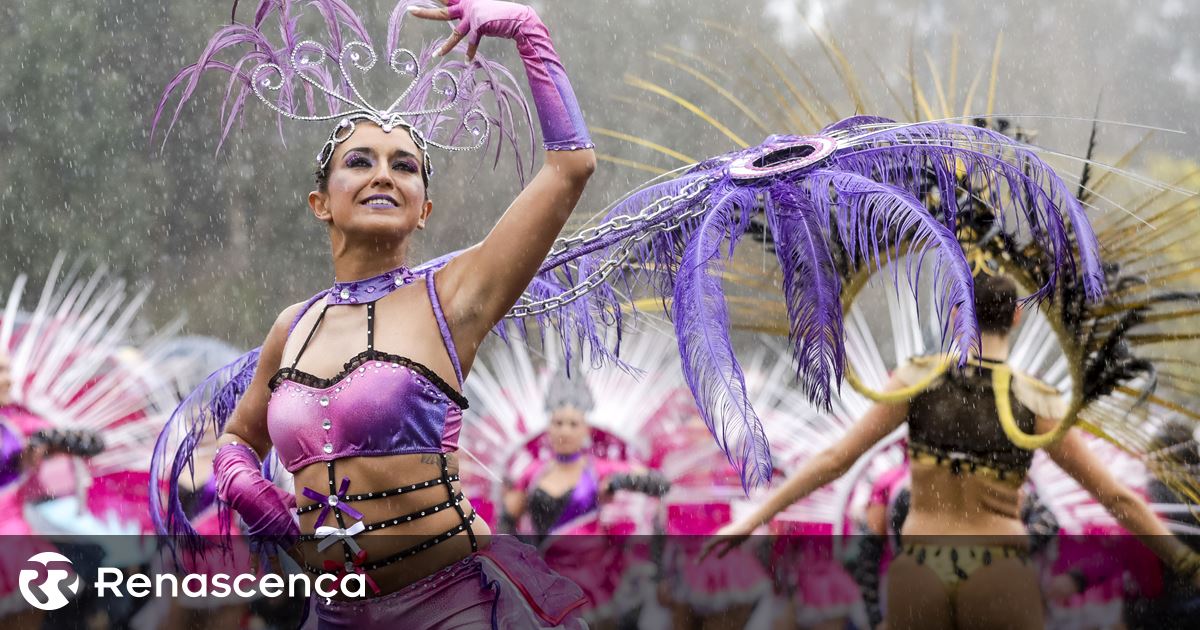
pixel 379 404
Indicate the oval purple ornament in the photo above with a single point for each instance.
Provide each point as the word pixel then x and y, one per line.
pixel 781 158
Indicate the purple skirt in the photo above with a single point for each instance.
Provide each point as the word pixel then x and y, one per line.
pixel 506 585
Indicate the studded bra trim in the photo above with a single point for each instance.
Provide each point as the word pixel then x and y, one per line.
pixel 301 377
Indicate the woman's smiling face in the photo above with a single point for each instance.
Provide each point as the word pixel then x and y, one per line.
pixel 375 185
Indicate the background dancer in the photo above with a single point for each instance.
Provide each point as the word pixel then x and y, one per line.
pixel 80 405
pixel 572 469
pixel 966 477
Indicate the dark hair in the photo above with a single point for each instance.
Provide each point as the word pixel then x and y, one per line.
pixel 995 303
pixel 1177 439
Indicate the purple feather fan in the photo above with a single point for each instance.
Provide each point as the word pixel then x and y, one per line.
pixel 852 196
pixel 199 418
pixel 310 89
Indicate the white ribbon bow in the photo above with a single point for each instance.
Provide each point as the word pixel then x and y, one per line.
pixel 330 535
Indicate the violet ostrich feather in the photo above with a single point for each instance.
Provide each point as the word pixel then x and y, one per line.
pixel 203 413
pixel 872 221
pixel 702 329
pixel 1015 181
pixel 207 408
pixel 811 288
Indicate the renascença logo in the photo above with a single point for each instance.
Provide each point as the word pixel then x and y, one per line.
pixel 45 584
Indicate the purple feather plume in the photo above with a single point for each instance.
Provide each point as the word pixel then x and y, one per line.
pixel 237 49
pixel 861 203
pixel 702 329
pixel 1013 181
pixel 200 417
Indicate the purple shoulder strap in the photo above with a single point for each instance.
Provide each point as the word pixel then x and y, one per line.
pixel 443 326
pixel 307 305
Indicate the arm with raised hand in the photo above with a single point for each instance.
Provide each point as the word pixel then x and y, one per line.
pixel 481 285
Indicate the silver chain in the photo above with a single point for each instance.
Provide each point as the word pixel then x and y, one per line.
pixel 624 222
pixel 622 252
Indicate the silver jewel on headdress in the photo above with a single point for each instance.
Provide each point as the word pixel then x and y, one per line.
pixel 404 62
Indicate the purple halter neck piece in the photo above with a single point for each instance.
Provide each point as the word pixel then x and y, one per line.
pixel 369 289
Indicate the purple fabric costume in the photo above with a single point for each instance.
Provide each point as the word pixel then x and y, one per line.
pixel 354 413
pixel 582 500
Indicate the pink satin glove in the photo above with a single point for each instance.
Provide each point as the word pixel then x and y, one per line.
pixel 266 509
pixel 562 123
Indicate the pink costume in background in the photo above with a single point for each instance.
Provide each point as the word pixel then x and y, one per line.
pixel 711 585
pixel 577 544
pixel 804 561
pixel 699 505
pixel 595 532
pixel 21 543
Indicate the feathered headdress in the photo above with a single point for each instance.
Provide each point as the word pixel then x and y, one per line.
pixel 313 80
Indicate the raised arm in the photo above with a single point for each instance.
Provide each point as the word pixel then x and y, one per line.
pixel 481 284
pixel 1072 455
pixel 828 465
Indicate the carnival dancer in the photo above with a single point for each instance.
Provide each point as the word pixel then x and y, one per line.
pixel 1109 371
pixel 562 490
pixel 1114 580
pixel 573 468
pixel 17 456
pixel 1179 599
pixel 966 477
pixel 371 437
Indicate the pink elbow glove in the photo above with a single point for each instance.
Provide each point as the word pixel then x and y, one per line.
pixel 265 508
pixel 563 128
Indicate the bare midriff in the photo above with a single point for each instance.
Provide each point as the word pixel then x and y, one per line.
pixel 375 474
pixel 949 504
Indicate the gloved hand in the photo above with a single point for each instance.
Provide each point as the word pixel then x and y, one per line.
pixel 562 123
pixel 267 510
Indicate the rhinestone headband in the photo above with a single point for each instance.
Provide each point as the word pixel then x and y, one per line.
pixel 360 54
